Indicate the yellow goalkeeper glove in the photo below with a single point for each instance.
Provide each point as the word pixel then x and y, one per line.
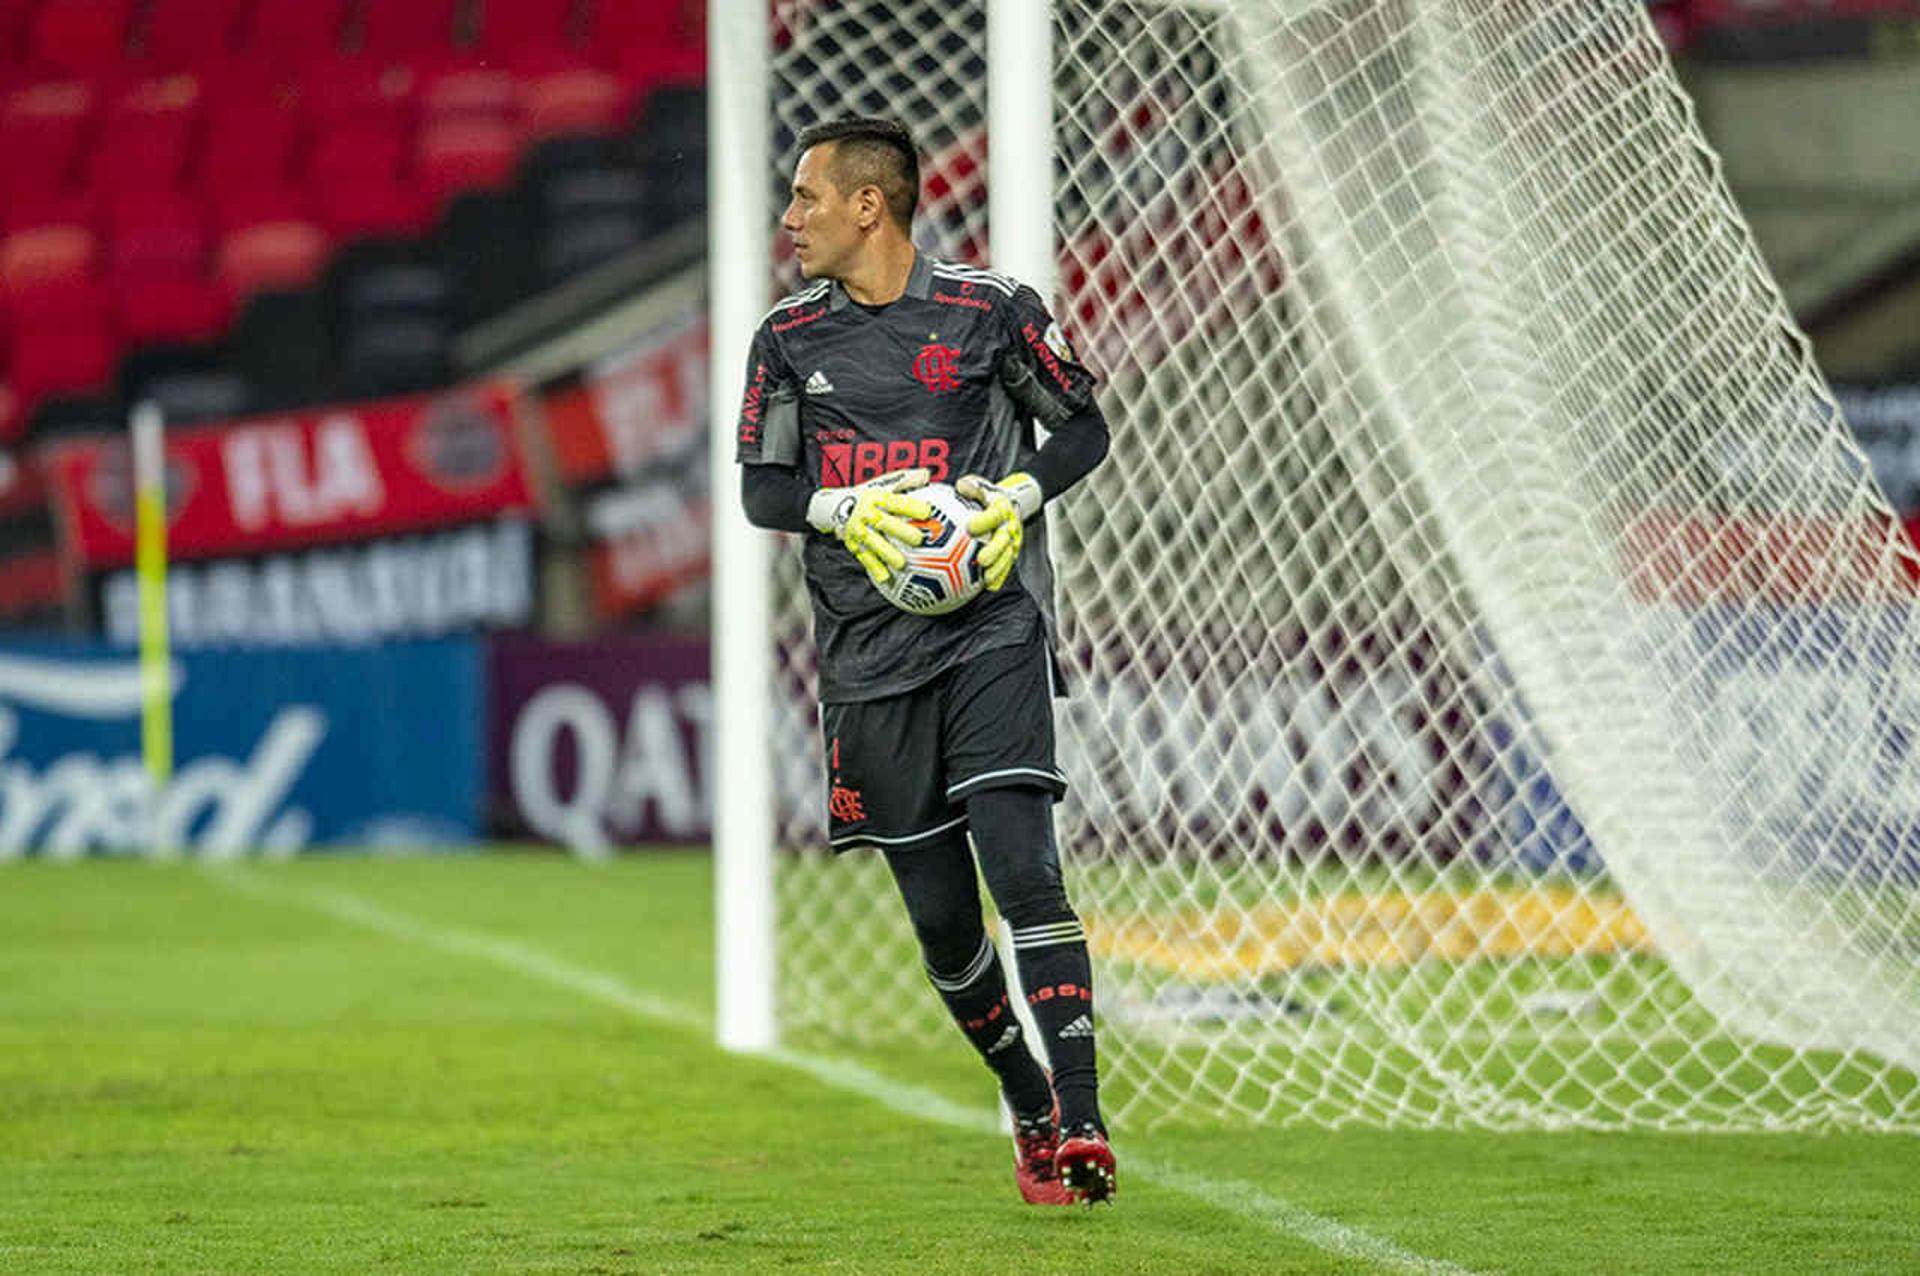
pixel 1009 504
pixel 869 518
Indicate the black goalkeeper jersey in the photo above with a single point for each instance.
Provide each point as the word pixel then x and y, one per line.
pixel 952 376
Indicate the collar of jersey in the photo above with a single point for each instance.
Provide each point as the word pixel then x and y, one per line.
pixel 919 284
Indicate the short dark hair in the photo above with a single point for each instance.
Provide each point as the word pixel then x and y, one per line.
pixel 872 152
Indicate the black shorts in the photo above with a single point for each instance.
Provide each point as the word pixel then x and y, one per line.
pixel 899 770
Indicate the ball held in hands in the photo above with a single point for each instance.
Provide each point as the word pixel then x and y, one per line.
pixel 873 519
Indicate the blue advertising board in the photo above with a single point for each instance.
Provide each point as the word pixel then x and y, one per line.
pixel 1811 724
pixel 276 749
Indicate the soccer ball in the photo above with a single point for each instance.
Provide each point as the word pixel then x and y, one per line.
pixel 940 574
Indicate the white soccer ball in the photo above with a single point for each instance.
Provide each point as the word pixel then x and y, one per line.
pixel 940 574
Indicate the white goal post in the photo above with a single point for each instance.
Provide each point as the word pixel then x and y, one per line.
pixel 1495 690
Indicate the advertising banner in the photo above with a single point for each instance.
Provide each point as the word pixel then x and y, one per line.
pixel 31 582
pixel 275 750
pixel 311 478
pixel 628 437
pixel 453 581
pixel 1814 731
pixel 650 539
pixel 600 744
pixel 642 405
pixel 1885 421
pixel 1713 560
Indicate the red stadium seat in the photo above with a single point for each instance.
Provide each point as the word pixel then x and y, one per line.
pixel 13 30
pixel 357 151
pixel 622 27
pixel 30 208
pixel 470 92
pixel 581 99
pixel 461 155
pixel 70 347
pixel 249 143
pixel 13 422
pixel 43 128
pixel 647 67
pixel 238 204
pixel 272 255
pixel 171 308
pixel 341 89
pixel 292 32
pixel 168 99
pixel 146 139
pixel 153 233
pixel 189 34
pixel 82 38
pixel 156 264
pixel 374 205
pixel 46 257
pixel 509 27
pixel 245 81
pixel 406 28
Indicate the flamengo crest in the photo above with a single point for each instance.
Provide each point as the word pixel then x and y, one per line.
pixel 937 367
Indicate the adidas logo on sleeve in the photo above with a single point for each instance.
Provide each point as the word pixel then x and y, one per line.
pixel 818 383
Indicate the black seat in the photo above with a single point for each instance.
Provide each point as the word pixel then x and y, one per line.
pixel 404 355
pixel 187 397
pixel 410 289
pixel 583 193
pixel 283 345
pixel 579 245
pixel 485 243
pixel 565 153
pixel 669 144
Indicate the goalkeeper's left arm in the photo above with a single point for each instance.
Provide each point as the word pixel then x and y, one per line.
pixel 1043 374
pixel 1075 446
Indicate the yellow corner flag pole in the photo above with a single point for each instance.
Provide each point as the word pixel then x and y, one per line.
pixel 150 567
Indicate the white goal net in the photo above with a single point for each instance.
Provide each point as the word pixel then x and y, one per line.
pixel 1495 696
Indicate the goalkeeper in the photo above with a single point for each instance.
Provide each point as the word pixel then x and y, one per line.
pixel 893 369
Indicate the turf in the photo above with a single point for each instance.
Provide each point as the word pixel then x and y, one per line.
pixel 211 1074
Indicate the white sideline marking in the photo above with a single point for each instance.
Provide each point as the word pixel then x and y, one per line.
pixel 1229 1195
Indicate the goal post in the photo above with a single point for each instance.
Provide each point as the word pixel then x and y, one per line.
pixel 1495 685
pixel 738 266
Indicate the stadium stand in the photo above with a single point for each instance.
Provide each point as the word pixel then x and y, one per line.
pixel 311 198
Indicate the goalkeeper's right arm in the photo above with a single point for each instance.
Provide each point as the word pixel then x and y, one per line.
pixel 868 518
pixel 775 497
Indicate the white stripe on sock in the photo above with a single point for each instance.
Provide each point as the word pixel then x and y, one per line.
pixel 982 960
pixel 1047 936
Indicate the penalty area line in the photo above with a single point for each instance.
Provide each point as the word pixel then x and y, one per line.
pixel 1228 1195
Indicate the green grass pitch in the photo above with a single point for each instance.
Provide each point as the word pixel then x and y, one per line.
pixel 499 1063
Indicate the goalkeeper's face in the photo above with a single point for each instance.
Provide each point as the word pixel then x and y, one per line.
pixel 822 221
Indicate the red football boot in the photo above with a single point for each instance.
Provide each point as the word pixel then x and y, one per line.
pixel 1036 1144
pixel 1084 1165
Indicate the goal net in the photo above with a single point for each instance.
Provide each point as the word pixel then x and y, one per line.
pixel 1494 687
